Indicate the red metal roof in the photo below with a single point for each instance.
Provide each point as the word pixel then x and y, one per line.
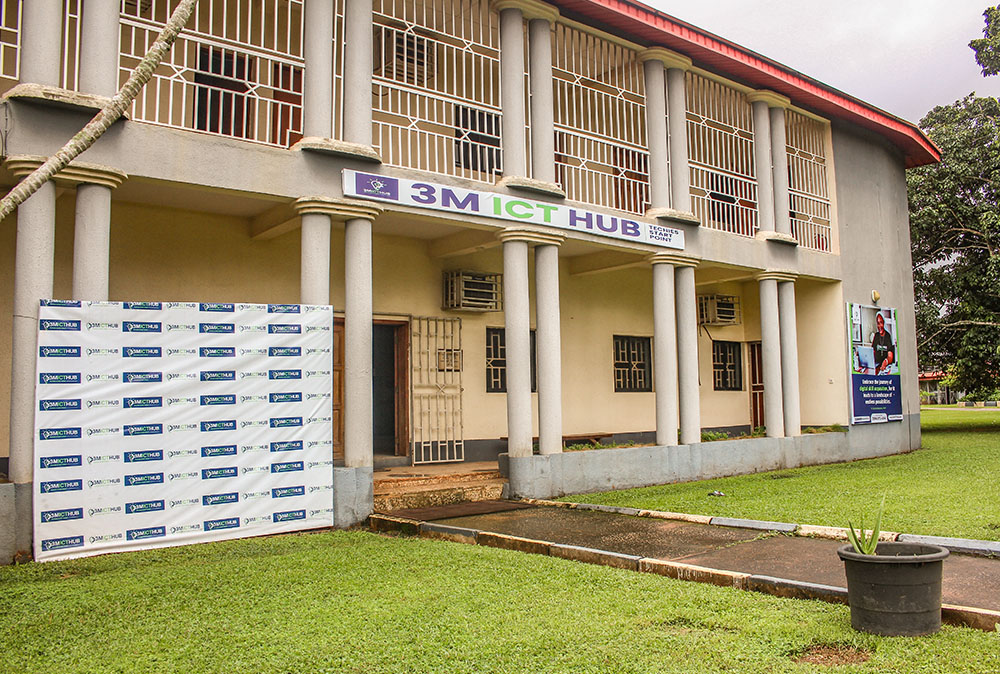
pixel 651 27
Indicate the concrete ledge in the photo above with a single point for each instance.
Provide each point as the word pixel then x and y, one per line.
pixel 593 556
pixel 339 148
pixel 384 523
pixel 964 545
pixel 796 589
pixel 815 531
pixel 352 496
pixel 966 616
pixel 515 543
pixel 783 527
pixel 448 533
pixel 672 217
pixel 634 512
pixel 778 237
pixel 532 185
pixel 698 574
pixel 8 543
pixel 683 517
pixel 59 97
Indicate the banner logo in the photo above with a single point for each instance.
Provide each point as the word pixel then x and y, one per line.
pixel 226 523
pixel 52 544
pixel 286 446
pixel 287 467
pixel 62 515
pixel 219 399
pixel 226 307
pixel 216 328
pixel 150 401
pixel 141 326
pixel 62 405
pixel 144 455
pixel 141 377
pixel 59 303
pixel 283 308
pixel 50 324
pixel 59 378
pixel 142 429
pixel 147 532
pixel 218 450
pixel 61 485
pixel 143 507
pixel 59 351
pixel 289 515
pixel 278 351
pixel 284 329
pixel 72 460
pixel 148 306
pixel 60 433
pixel 220 425
pixel 284 492
pixel 220 499
pixel 292 397
pixel 142 479
pixel 217 473
pixel 284 374
pixel 142 352
pixel 285 422
pixel 218 375
pixel 217 352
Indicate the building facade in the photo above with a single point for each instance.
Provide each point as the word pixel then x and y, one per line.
pixel 720 212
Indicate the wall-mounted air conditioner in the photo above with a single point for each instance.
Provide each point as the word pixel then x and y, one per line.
pixel 471 291
pixel 719 310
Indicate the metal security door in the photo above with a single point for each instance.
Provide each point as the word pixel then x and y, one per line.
pixel 436 390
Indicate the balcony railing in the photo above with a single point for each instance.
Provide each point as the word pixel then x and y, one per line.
pixel 600 108
pixel 720 151
pixel 809 198
pixel 436 87
pixel 236 70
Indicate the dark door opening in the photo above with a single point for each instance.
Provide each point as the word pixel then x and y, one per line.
pixel 390 388
pixel 756 386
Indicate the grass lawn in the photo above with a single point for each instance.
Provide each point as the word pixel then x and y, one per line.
pixel 951 487
pixel 358 602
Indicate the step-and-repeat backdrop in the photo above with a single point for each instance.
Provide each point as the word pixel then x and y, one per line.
pixel 165 423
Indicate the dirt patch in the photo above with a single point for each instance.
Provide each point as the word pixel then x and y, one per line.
pixel 832 655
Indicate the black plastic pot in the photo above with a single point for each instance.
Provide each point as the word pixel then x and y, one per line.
pixel 897 591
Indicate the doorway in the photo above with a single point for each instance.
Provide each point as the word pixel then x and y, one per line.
pixel 756 386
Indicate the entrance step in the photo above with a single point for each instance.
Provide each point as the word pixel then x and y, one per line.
pixel 386 461
pixel 400 495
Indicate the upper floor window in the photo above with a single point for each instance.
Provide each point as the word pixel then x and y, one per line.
pixel 808 192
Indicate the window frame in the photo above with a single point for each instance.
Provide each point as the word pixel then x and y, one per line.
pixel 498 383
pixel 640 369
pixel 727 365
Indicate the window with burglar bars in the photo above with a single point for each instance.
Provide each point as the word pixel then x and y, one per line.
pixel 727 366
pixel 496 361
pixel 235 70
pixel 720 150
pixel 600 109
pixel 436 86
pixel 633 364
pixel 809 198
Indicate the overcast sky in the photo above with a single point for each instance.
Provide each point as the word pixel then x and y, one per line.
pixel 904 56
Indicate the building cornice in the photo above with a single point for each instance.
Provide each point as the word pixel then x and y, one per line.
pixel 75 174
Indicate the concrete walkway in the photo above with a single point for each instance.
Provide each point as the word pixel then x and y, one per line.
pixel 765 559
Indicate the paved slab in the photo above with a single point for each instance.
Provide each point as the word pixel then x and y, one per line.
pixel 968 580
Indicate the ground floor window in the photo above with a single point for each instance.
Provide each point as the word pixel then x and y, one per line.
pixel 633 364
pixel 727 366
pixel 496 361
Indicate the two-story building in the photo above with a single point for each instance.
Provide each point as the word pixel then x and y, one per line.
pixel 533 220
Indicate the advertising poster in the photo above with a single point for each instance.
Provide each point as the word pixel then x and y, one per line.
pixel 875 391
pixel 168 423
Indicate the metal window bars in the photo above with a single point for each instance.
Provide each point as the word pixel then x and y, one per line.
pixel 720 151
pixel 809 198
pixel 601 154
pixel 236 70
pixel 436 86
pixel 436 430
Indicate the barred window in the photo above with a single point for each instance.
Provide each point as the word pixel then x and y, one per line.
pixel 727 366
pixel 633 364
pixel 496 361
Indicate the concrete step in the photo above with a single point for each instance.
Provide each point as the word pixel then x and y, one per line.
pixel 399 497
pixel 387 480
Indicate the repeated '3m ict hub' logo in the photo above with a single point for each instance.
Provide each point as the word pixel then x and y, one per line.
pixel 59 351
pixel 218 425
pixel 219 399
pixel 71 460
pixel 289 516
pixel 217 473
pixel 216 328
pixel 286 446
pixel 73 433
pixel 223 307
pixel 218 450
pixel 141 479
pixel 146 306
pixel 51 544
pixel 141 377
pixel 149 401
pixel 284 329
pixel 144 455
pixel 59 405
pixel 287 467
pixel 139 507
pixel 53 324
pixel 141 326
pixel 290 397
pixel 217 352
pixel 142 429
pixel 280 351
pixel 59 303
pixel 283 308
pixel 285 492
pixel 62 515
pixel 61 485
pixel 145 532
pixel 225 523
pixel 142 351
pixel 284 374
pixel 218 375
pixel 284 422
pixel 58 377
pixel 220 499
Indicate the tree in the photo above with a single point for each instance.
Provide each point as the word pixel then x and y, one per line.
pixel 955 239
pixel 103 120
pixel 987 48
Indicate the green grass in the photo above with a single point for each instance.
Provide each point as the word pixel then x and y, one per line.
pixel 951 487
pixel 357 602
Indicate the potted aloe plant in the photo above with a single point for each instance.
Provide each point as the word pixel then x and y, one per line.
pixel 893 589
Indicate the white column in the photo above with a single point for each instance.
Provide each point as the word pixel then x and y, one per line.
pixel 358 73
pixel 317 95
pixel 41 41
pixel 665 349
pixel 680 181
pixel 92 229
pixel 656 129
pixel 548 347
pixel 689 401
pixel 543 150
pixel 512 88
pixel 762 163
pixel 517 336
pixel 789 358
pixel 779 159
pixel 99 31
pixel 770 337
pixel 314 286
pixel 33 274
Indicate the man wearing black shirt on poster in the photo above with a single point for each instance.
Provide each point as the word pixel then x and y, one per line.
pixel 885 350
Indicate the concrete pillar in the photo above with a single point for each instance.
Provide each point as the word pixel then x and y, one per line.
pixel 656 128
pixel 688 393
pixel 779 160
pixel 317 94
pixel 789 358
pixel 770 338
pixel 512 124
pixel 680 180
pixel 314 270
pixel 665 348
pixel 41 41
pixel 92 230
pixel 762 163
pixel 357 73
pixel 33 278
pixel 99 31
pixel 543 149
pixel 517 337
pixel 548 346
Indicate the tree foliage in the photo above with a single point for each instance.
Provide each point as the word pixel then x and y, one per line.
pixel 955 238
pixel 987 48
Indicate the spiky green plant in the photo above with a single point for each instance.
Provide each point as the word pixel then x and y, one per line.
pixel 866 545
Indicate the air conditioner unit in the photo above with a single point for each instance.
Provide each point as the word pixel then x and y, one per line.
pixel 471 291
pixel 719 310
